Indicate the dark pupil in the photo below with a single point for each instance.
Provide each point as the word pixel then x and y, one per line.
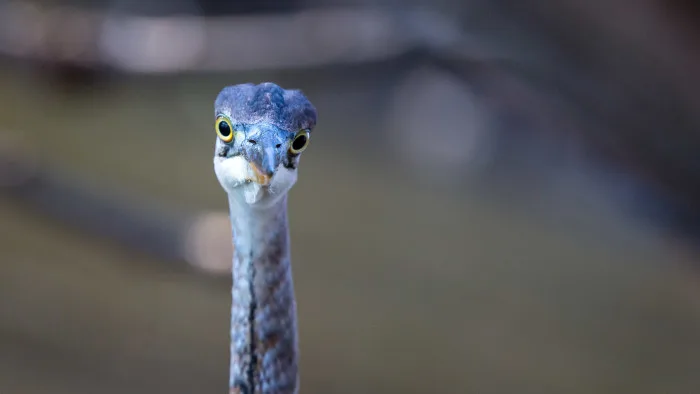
pixel 299 142
pixel 224 129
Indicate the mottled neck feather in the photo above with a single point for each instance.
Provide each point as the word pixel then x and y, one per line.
pixel 263 312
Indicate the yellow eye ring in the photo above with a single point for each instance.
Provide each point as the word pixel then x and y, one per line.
pixel 224 129
pixel 300 142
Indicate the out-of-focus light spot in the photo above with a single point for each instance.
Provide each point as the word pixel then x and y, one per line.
pixel 153 44
pixel 208 243
pixel 438 126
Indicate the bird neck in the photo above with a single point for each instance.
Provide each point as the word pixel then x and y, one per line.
pixel 263 312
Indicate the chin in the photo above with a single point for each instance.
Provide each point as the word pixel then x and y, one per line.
pixel 235 176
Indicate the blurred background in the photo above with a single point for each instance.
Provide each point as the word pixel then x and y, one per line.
pixel 500 197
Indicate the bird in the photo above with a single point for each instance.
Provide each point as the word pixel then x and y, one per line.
pixel 261 132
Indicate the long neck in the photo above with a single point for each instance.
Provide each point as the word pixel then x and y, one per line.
pixel 263 312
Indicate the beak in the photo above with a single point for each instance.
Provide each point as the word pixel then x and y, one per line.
pixel 263 161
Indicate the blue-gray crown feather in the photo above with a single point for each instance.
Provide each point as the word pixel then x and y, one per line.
pixel 267 102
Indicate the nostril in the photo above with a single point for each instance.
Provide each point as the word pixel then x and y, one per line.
pixel 278 145
pixel 253 142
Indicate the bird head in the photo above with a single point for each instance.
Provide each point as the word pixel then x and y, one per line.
pixel 261 132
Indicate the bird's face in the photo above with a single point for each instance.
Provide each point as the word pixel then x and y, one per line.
pixel 261 132
pixel 257 163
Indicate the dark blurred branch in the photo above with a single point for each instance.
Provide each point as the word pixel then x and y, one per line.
pixel 186 43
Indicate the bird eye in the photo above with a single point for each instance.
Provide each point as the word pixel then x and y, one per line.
pixel 224 129
pixel 300 142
